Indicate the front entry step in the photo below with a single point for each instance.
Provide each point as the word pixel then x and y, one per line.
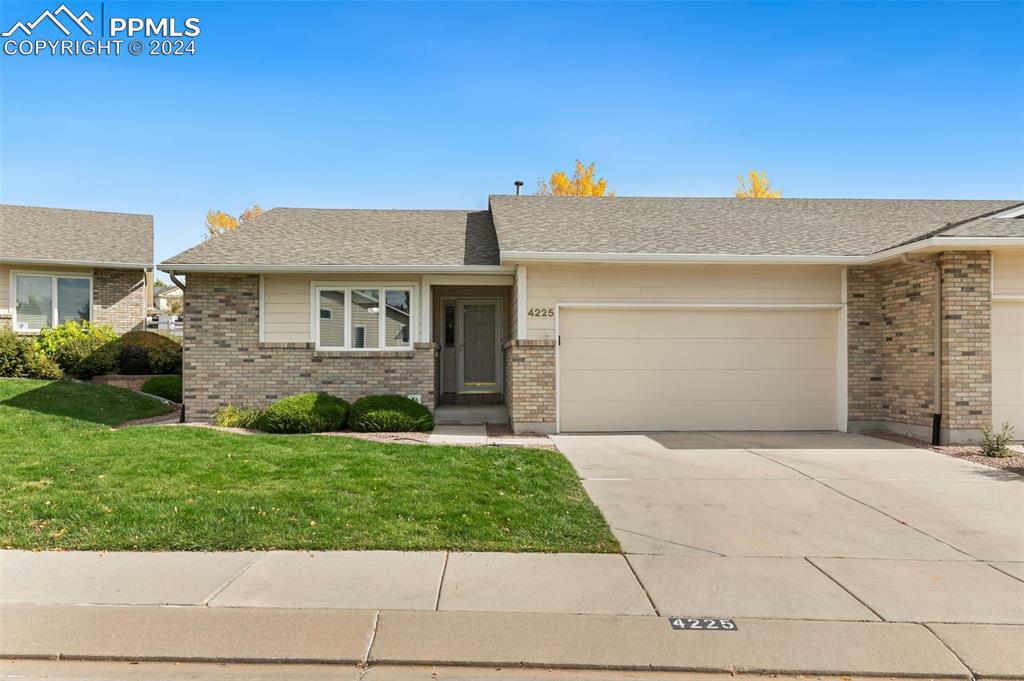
pixel 470 415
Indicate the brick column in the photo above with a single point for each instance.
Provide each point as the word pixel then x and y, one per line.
pixel 530 385
pixel 966 343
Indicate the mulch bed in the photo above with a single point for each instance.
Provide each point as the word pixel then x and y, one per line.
pixel 1011 464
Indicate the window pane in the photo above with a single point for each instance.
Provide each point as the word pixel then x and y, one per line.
pixel 365 316
pixel 332 319
pixel 397 324
pixel 34 302
pixel 72 300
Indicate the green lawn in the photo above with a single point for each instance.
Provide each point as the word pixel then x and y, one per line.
pixel 69 481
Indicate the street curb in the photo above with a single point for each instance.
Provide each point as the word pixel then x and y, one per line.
pixel 470 639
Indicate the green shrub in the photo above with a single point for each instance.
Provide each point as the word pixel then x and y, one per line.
pixel 19 359
pixel 106 359
pixel 167 387
pixel 305 413
pixel 72 344
pixel 389 414
pixel 145 352
pixel 996 444
pixel 235 417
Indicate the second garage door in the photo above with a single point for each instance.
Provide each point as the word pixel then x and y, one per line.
pixel 624 369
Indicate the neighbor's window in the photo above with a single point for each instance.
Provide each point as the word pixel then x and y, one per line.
pixel 364 318
pixel 40 301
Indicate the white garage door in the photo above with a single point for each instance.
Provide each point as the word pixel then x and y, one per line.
pixel 697 369
pixel 1008 365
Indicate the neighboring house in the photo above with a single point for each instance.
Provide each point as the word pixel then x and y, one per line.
pixel 59 265
pixel 625 314
pixel 165 296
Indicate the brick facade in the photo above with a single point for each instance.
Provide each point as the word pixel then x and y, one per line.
pixel 119 299
pixel 966 340
pixel 530 385
pixel 224 362
pixel 891 320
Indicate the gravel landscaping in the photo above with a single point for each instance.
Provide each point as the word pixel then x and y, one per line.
pixel 1012 464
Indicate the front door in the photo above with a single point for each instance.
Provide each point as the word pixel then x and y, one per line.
pixel 479 340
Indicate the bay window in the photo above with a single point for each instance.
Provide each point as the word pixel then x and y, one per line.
pixel 363 317
pixel 45 300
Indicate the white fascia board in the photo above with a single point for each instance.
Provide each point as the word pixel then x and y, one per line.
pixel 77 263
pixel 939 243
pixel 528 256
pixel 288 269
pixel 933 243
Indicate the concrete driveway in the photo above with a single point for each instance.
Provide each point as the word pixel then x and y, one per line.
pixel 809 526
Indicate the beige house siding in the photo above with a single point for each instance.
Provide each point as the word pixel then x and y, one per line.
pixel 1008 341
pixel 550 284
pixel 286 301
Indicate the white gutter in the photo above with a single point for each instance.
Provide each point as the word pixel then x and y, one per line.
pixel 78 263
pixel 938 242
pixel 271 269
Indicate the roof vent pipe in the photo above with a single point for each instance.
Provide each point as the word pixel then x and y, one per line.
pixel 519 186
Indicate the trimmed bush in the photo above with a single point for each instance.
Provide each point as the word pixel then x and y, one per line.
pixel 72 345
pixel 996 444
pixel 19 359
pixel 305 413
pixel 389 414
pixel 167 387
pixel 145 352
pixel 235 417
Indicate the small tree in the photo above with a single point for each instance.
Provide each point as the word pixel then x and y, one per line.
pixel 582 183
pixel 218 222
pixel 759 187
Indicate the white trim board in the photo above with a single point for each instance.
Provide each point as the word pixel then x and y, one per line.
pixel 841 340
pixel 325 269
pixel 933 243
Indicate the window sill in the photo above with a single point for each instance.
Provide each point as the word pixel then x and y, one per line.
pixel 397 354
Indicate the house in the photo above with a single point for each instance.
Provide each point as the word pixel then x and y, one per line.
pixel 59 265
pixel 165 297
pixel 626 314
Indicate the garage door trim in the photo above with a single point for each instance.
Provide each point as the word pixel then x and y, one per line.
pixel 841 342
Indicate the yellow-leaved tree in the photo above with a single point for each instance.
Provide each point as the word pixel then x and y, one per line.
pixel 218 222
pixel 759 187
pixel 582 183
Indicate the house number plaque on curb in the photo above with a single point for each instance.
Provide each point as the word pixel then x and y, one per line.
pixel 702 623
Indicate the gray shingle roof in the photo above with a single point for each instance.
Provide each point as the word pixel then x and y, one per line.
pixel 544 224
pixel 60 234
pixel 991 227
pixel 311 237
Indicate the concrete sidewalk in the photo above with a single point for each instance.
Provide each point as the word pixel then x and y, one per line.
pixel 484 609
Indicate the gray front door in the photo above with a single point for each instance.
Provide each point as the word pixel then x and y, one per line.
pixel 479 346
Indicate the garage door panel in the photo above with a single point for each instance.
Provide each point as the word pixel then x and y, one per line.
pixel 699 415
pixel 697 369
pixel 691 353
pixel 1008 365
pixel 1007 318
pixel 679 324
pixel 699 385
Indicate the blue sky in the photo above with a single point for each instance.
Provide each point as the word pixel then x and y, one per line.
pixel 432 105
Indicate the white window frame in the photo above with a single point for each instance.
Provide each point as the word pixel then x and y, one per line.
pixel 54 276
pixel 347 288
